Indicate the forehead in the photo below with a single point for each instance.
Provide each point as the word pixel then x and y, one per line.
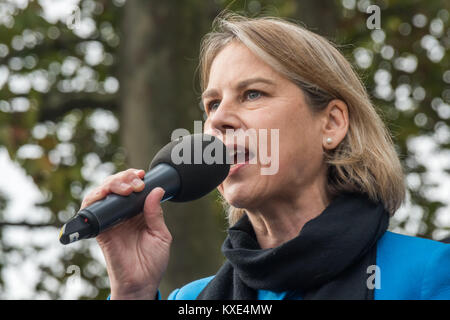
pixel 234 62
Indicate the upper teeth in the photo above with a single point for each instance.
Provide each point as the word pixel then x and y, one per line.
pixel 234 152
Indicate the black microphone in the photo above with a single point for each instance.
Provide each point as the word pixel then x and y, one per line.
pixel 187 169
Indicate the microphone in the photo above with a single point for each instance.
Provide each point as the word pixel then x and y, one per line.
pixel 187 169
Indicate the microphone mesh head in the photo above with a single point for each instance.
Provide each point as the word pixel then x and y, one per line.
pixel 201 161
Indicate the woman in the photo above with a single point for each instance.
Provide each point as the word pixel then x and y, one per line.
pixel 316 229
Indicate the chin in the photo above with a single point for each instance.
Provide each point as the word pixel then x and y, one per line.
pixel 244 189
pixel 239 198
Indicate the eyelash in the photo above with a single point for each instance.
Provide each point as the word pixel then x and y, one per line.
pixel 209 104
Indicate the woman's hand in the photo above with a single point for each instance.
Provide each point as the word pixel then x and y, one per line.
pixel 137 250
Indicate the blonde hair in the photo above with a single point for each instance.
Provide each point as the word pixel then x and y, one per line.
pixel 366 160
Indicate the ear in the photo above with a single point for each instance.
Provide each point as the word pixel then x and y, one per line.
pixel 335 124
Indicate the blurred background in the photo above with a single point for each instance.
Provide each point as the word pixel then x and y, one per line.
pixel 89 88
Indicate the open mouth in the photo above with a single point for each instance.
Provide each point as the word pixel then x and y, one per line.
pixel 238 154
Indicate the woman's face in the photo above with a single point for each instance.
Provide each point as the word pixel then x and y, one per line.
pixel 245 93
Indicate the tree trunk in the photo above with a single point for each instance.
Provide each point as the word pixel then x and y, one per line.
pixel 158 56
pixel 319 16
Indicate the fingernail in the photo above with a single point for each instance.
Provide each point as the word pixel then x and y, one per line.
pixel 137 183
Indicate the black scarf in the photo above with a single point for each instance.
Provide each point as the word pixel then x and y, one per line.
pixel 327 260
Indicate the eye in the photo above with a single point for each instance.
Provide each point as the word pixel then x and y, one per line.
pixel 211 106
pixel 253 94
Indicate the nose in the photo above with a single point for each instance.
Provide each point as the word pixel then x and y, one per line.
pixel 224 118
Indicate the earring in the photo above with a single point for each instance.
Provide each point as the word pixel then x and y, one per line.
pixel 329 140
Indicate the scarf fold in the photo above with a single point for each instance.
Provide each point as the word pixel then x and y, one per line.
pixel 327 260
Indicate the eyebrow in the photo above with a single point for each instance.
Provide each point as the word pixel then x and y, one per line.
pixel 245 83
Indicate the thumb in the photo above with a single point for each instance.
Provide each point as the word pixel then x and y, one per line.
pixel 153 215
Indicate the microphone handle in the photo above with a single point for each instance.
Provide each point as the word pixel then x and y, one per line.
pixel 115 208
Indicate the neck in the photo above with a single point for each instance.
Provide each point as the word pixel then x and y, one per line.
pixel 281 220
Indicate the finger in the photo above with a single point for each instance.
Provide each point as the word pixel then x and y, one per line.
pixel 123 174
pixel 120 187
pixel 132 177
pixel 135 180
pixel 122 183
pixel 154 217
pixel 140 173
pixel 93 196
pixel 125 187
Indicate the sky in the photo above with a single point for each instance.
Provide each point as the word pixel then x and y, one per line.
pixel 22 193
pixel 21 274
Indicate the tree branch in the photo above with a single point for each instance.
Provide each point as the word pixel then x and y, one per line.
pixel 53 113
pixel 27 224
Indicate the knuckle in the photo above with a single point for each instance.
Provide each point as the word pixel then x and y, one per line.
pixel 126 175
pixel 130 178
pixel 114 180
pixel 137 183
pixel 117 176
pixel 119 186
pixel 130 173
pixel 114 184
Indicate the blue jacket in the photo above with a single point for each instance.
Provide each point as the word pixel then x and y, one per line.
pixel 409 268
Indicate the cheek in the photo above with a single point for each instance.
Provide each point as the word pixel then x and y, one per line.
pixel 301 147
pixel 300 141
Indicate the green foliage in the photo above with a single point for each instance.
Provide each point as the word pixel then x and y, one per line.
pixel 409 56
pixel 63 98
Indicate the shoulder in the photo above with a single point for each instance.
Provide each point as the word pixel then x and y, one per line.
pixel 410 268
pixel 397 239
pixel 191 290
pixel 393 247
pixel 413 268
